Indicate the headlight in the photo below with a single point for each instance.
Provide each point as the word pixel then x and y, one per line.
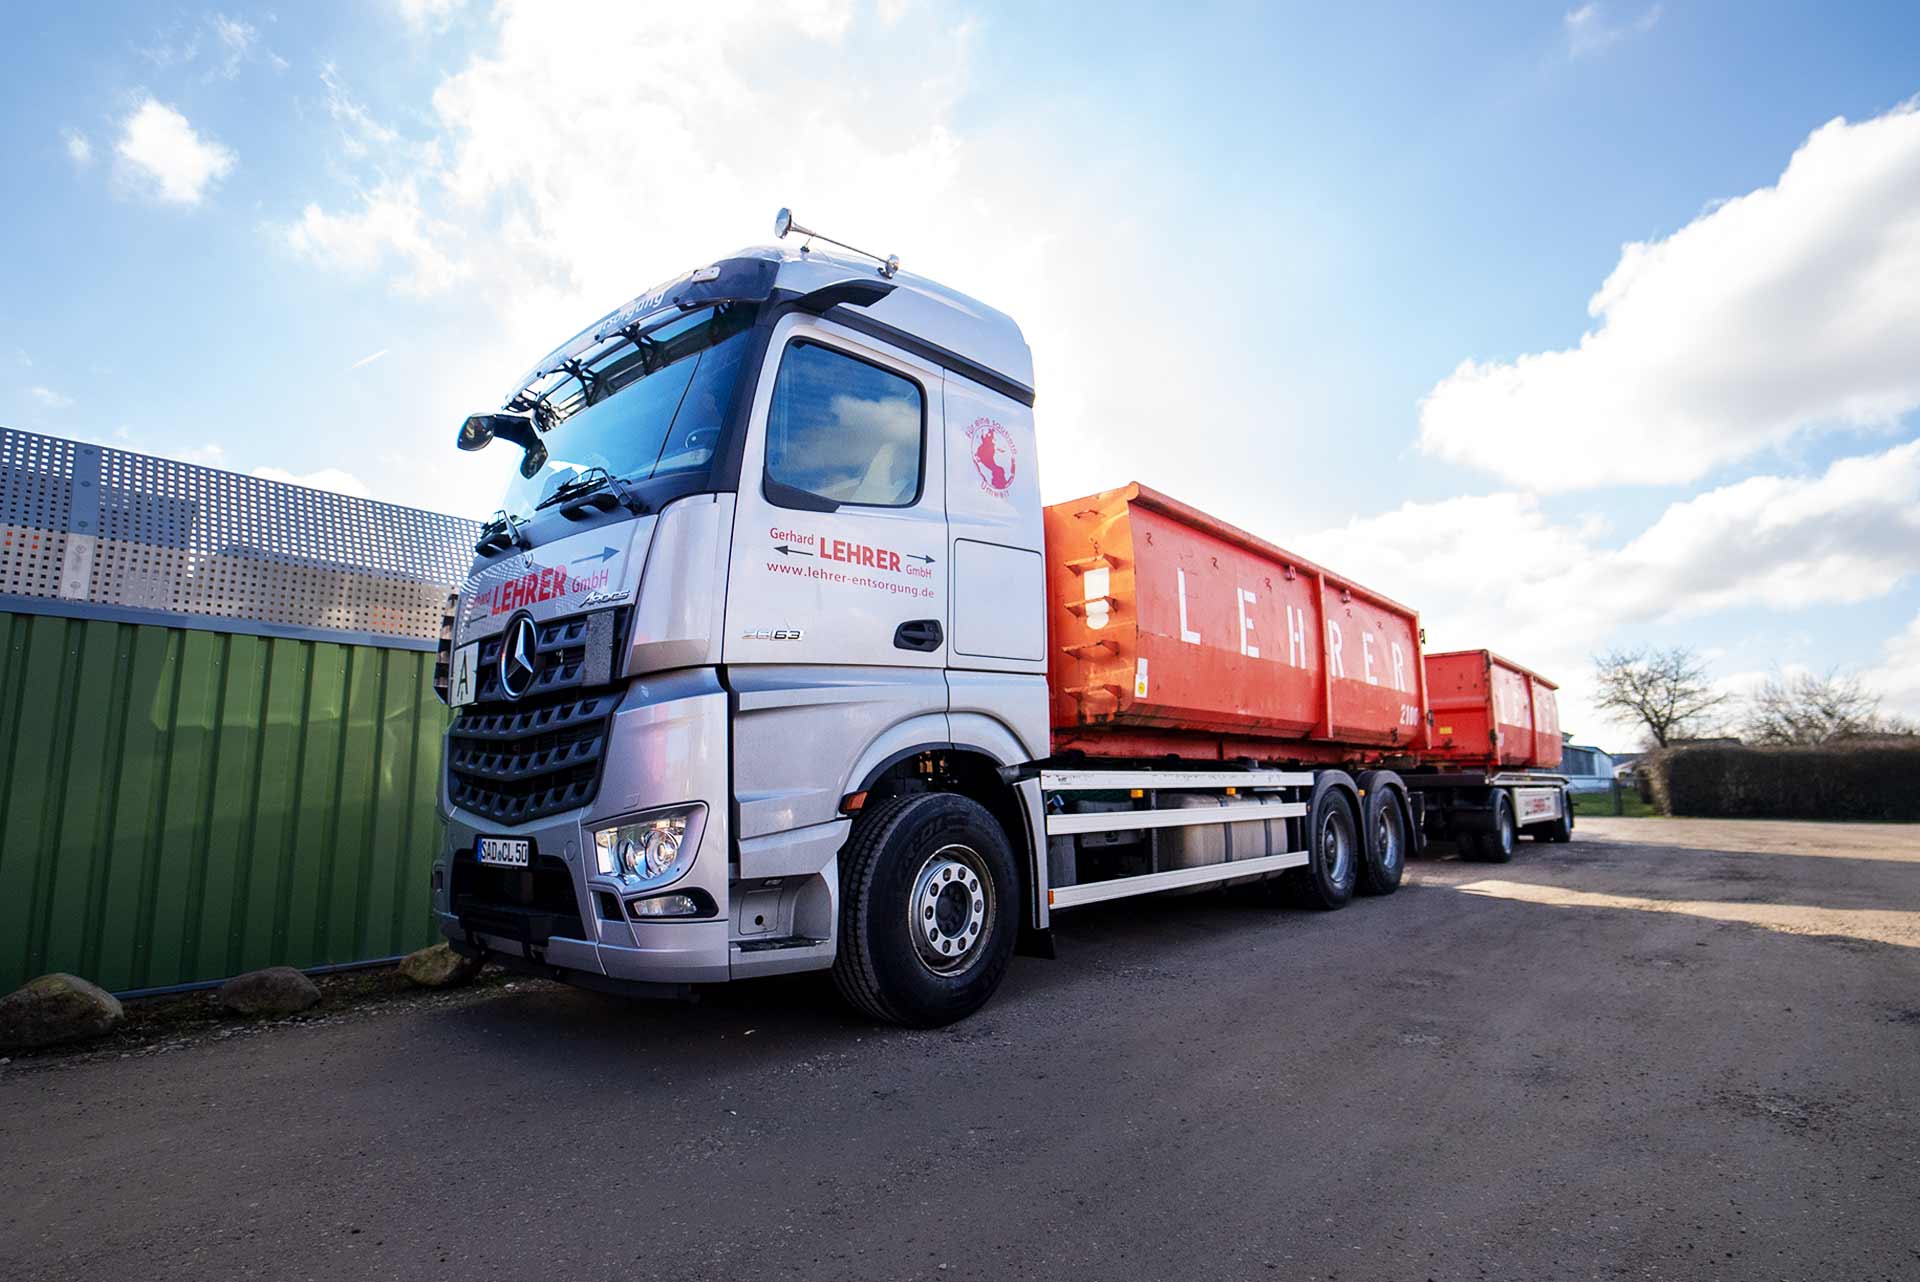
pixel 646 847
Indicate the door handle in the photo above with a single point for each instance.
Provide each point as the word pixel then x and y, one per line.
pixel 918 634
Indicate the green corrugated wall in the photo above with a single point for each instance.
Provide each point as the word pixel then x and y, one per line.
pixel 182 805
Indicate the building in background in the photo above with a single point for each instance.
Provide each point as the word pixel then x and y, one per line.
pixel 1587 768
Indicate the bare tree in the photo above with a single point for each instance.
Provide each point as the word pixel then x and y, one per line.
pixel 1667 691
pixel 1808 709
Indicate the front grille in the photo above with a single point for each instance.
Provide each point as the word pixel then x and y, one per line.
pixel 531 904
pixel 526 761
pixel 514 761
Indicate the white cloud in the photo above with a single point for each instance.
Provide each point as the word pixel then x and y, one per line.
pixel 49 398
pixel 533 215
pixel 1896 678
pixel 178 45
pixel 422 14
pixel 1498 570
pixel 78 146
pixel 367 360
pixel 327 478
pixel 208 454
pixel 237 40
pixel 162 156
pixel 358 127
pixel 1786 310
pixel 389 227
pixel 1590 32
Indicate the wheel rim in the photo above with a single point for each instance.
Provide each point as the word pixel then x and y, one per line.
pixel 1336 848
pixel 1506 831
pixel 950 913
pixel 1387 839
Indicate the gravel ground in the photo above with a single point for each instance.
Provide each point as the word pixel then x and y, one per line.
pixel 1671 1049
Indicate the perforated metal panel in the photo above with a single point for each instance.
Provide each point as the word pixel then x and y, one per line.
pixel 35 503
pixel 96 531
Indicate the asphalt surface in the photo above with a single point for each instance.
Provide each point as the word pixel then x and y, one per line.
pixel 1610 1059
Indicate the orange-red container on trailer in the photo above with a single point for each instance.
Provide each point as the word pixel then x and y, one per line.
pixel 1488 711
pixel 1173 632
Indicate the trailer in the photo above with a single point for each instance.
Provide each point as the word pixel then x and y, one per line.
pixel 1179 637
pixel 1492 747
pixel 773 661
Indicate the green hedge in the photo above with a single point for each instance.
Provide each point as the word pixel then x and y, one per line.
pixel 1876 780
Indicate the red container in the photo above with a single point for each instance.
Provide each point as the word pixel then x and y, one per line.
pixel 1176 633
pixel 1490 712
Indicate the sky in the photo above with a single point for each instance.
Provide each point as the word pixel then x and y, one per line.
pixel 1573 326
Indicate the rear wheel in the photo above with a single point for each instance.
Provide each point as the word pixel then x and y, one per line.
pixel 1495 847
pixel 929 904
pixel 1384 825
pixel 1557 831
pixel 1333 851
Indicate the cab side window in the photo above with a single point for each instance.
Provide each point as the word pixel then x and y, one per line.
pixel 843 431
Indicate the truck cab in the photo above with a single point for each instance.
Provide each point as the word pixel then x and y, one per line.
pixel 772 549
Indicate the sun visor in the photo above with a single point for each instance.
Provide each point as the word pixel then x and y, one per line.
pixel 731 280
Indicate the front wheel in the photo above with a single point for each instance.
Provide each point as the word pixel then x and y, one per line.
pixel 929 905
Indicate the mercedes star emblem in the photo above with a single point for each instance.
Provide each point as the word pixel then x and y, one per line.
pixel 518 665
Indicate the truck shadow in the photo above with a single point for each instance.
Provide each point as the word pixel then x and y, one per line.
pixel 799 1022
pixel 1112 952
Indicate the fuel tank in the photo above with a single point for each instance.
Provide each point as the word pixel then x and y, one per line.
pixel 1174 633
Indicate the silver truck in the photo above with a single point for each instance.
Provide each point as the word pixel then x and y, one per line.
pixel 750 672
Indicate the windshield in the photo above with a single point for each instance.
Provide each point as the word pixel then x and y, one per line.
pixel 638 409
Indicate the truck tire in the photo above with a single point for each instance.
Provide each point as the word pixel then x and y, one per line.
pixel 1383 827
pixel 1334 850
pixel 1558 831
pixel 929 907
pixel 1495 847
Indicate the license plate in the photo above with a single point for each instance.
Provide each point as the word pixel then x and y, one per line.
pixel 507 852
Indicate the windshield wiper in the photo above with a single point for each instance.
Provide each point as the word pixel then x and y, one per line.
pixel 503 531
pixel 586 489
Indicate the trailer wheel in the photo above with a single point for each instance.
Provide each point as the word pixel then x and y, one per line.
pixel 1496 847
pixel 929 905
pixel 1560 830
pixel 1333 850
pixel 1384 826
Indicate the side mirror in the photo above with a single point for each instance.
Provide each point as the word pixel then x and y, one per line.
pixel 479 430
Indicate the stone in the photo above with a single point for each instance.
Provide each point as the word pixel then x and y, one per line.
pixel 438 966
pixel 277 990
pixel 56 1008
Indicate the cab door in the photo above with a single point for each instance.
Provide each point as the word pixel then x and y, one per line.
pixel 839 553
pixel 836 614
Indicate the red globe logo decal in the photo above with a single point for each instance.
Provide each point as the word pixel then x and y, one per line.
pixel 994 455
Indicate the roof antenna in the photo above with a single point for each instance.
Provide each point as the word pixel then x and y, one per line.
pixel 783 223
